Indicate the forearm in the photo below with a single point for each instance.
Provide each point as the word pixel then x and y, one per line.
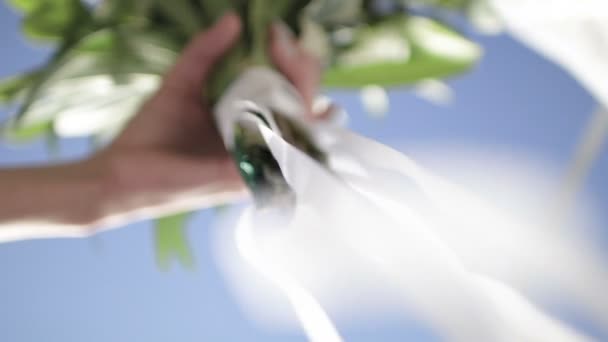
pixel 108 190
pixel 52 201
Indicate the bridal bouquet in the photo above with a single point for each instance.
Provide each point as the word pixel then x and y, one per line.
pixel 110 55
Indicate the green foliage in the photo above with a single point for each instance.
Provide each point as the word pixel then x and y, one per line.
pixel 25 6
pixel 400 51
pixel 55 19
pixel 171 241
pixel 29 132
pixel 52 19
pixel 109 55
pixel 215 9
pixel 121 38
pixel 12 88
pixel 182 14
pixel 453 4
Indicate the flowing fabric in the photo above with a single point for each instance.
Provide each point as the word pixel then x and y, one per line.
pixel 574 35
pixel 374 229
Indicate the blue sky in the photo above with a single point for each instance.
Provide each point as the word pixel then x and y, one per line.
pixel 108 288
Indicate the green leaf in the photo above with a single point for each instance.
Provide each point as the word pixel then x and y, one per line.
pixel 262 14
pixel 401 51
pixel 293 14
pixel 183 14
pixel 24 5
pixel 122 11
pixel 12 88
pixel 214 9
pixel 448 4
pixel 436 39
pixel 227 71
pixel 108 73
pixel 393 74
pixel 252 49
pixel 171 241
pixel 56 19
pixel 333 13
pixel 22 134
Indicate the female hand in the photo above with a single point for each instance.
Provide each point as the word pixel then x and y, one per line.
pixel 170 157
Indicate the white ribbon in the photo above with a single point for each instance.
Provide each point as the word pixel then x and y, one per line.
pixel 363 220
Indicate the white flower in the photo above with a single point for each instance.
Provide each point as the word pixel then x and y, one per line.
pixel 375 100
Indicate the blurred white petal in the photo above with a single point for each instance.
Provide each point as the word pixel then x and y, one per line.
pixel 335 11
pixel 389 46
pixel 105 107
pixel 95 117
pixel 484 18
pixel 434 91
pixel 343 36
pixel 438 40
pixel 375 100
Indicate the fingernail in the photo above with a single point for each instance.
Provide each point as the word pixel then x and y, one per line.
pixel 284 37
pixel 321 105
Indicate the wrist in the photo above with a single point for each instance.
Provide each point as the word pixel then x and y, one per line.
pixel 139 184
pixel 87 186
pixel 126 194
pixel 110 194
pixel 75 193
pixel 53 201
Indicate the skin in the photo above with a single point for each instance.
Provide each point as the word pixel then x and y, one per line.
pixel 169 159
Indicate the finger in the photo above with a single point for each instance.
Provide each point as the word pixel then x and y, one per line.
pixel 299 67
pixel 197 60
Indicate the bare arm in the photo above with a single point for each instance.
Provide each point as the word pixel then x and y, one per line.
pixel 49 201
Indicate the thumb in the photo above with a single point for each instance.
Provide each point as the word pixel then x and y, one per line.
pixel 299 67
pixel 196 62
